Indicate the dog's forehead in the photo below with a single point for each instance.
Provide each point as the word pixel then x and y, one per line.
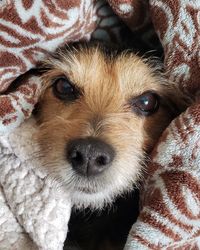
pixel 136 76
pixel 93 70
pixel 126 72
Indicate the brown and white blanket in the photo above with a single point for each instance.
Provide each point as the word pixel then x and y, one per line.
pixel 170 211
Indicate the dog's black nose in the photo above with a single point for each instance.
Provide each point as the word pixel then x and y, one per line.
pixel 89 156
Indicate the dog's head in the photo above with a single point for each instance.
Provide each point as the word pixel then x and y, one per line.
pixel 98 117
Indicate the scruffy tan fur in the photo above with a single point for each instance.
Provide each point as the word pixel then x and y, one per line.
pixel 107 83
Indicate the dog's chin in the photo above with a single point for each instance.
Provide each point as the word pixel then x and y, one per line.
pixel 94 200
pixel 99 197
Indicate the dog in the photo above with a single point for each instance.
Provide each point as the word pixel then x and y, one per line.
pixel 100 115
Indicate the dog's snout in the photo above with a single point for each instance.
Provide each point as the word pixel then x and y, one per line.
pixel 89 156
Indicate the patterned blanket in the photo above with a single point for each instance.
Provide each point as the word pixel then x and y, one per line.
pixel 170 202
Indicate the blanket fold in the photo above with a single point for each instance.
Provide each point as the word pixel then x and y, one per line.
pixel 170 217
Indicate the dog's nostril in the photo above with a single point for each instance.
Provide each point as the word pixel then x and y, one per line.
pixel 89 156
pixel 102 160
pixel 76 156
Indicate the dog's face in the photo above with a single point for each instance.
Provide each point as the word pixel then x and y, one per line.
pixel 98 117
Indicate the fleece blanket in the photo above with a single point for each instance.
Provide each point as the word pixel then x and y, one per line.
pixel 34 208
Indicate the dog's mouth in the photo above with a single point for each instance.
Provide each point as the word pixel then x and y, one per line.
pixel 89 186
pixel 86 190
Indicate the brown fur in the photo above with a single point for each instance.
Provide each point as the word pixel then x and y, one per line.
pixel 107 83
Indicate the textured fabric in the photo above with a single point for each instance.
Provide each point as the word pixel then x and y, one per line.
pixel 39 209
pixel 171 202
pixel 30 28
pixel 16 107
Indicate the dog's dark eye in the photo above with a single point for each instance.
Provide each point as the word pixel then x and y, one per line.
pixel 146 104
pixel 64 90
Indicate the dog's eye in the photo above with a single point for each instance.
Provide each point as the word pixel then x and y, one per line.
pixel 146 104
pixel 64 90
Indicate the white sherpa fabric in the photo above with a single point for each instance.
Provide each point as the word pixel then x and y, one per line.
pixel 34 208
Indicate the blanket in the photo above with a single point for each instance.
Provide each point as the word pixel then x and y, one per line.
pixel 34 208
pixel 38 206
